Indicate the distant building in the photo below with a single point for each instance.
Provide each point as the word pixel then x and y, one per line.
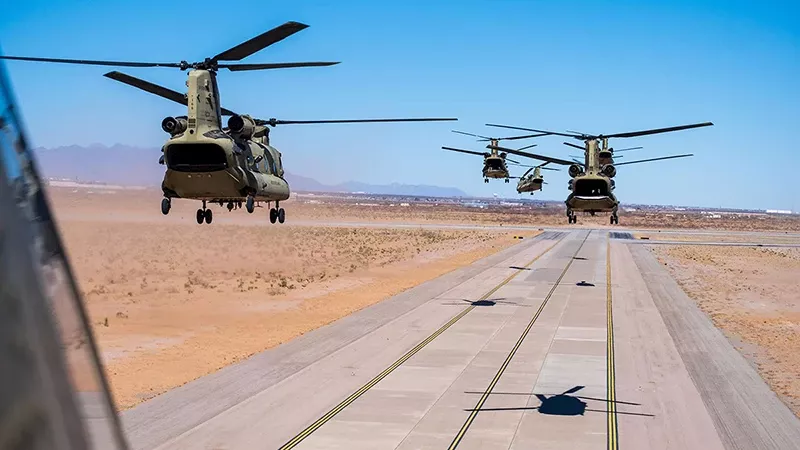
pixel 778 211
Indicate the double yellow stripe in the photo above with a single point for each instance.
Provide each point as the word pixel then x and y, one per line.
pixel 611 392
pixel 463 431
pixel 355 395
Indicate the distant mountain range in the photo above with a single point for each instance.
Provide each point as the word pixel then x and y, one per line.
pixel 126 165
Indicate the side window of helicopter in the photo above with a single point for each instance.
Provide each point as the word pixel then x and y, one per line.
pixel 270 162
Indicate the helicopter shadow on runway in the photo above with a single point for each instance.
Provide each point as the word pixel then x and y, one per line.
pixel 484 302
pixel 561 404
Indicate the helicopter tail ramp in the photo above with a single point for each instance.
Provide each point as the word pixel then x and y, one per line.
pixel 568 340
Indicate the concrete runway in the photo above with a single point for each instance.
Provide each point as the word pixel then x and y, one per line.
pixel 570 340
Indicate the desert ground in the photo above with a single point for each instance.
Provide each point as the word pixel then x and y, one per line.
pixel 753 295
pixel 171 301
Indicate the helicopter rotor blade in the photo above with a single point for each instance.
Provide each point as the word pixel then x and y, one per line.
pixel 92 62
pixel 513 138
pixel 273 122
pixel 260 42
pixel 153 88
pixel 470 152
pixel 579 136
pixel 511 160
pixel 653 159
pixel 266 66
pixel 542 166
pixel 527 172
pixel 527 147
pixel 531 155
pixel 657 130
pixel 580 147
pixel 471 134
pixel 627 149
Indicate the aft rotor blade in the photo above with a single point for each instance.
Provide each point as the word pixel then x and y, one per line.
pixel 527 172
pixel 92 62
pixel 653 159
pixel 266 66
pixel 579 136
pixel 627 149
pixel 465 151
pixel 153 88
pixel 527 146
pixel 531 155
pixel 260 42
pixel 471 134
pixel 549 168
pixel 511 160
pixel 513 138
pixel 274 122
pixel 575 145
pixel 658 130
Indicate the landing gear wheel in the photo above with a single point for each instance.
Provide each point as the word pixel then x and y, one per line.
pixel 200 216
pixel 273 215
pixel 614 219
pixel 485 180
pixel 209 216
pixel 166 204
pixel 230 206
pixel 281 215
pixel 506 180
pixel 251 204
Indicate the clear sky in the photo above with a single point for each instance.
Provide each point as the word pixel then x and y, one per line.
pixel 597 67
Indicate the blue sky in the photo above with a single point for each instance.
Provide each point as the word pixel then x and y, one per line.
pixel 599 67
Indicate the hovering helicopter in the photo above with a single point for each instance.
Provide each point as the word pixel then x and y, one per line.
pixel 592 181
pixel 210 163
pixel 533 182
pixel 494 162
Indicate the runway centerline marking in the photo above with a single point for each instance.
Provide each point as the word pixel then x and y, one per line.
pixel 611 388
pixel 358 393
pixel 474 412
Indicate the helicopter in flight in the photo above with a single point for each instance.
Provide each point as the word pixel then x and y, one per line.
pixel 206 161
pixel 494 162
pixel 533 182
pixel 591 182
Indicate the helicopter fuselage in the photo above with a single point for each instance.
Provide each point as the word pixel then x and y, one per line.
pixel 495 167
pixel 592 192
pixel 216 167
pixel 529 184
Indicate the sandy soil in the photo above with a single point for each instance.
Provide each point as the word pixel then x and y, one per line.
pixel 753 295
pixel 174 301
pixel 721 237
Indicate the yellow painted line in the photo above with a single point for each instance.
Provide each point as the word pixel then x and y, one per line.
pixel 355 395
pixel 611 393
pixel 463 431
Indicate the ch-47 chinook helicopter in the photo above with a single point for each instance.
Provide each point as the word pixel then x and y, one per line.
pixel 533 182
pixel 494 162
pixel 210 163
pixel 592 181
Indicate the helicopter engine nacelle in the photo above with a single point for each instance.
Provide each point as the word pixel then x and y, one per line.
pixel 244 126
pixel 609 170
pixel 174 125
pixel 575 170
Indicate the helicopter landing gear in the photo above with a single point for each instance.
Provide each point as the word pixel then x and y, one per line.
pixel 250 204
pixel 614 219
pixel 277 214
pixel 485 180
pixel 230 206
pixel 571 217
pixel 204 215
pixel 506 180
pixel 166 204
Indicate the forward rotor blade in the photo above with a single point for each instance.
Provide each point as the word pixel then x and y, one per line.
pixel 627 149
pixel 471 134
pixel 531 155
pixel 153 88
pixel 658 130
pixel 465 151
pixel 92 62
pixel 513 138
pixel 511 160
pixel 535 130
pixel 265 66
pixel 527 146
pixel 260 42
pixel 275 122
pixel 653 159
pixel 574 145
pixel 527 172
pixel 550 168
